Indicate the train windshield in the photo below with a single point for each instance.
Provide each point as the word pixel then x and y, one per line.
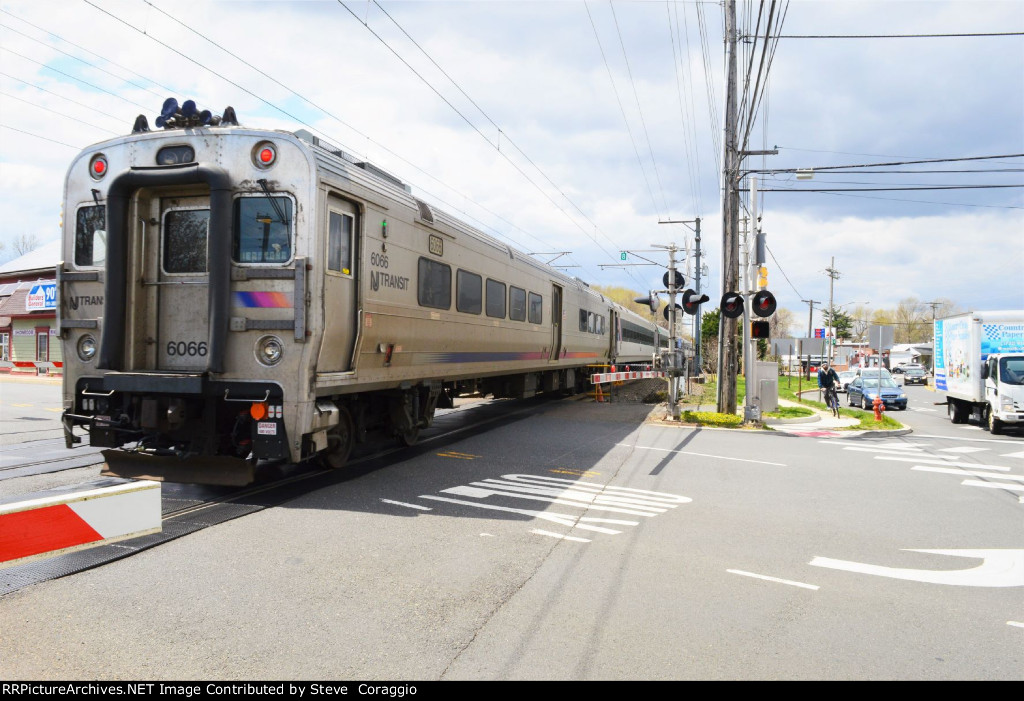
pixel 90 236
pixel 263 230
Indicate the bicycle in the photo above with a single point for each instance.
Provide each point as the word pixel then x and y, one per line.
pixel 832 400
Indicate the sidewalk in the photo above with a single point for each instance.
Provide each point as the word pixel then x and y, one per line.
pixel 29 378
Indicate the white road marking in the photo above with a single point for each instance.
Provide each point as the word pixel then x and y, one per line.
pixel 559 536
pixel 885 451
pixel 561 519
pixel 975 440
pixel 483 493
pixel 1013 455
pixel 701 455
pixel 1018 624
pixel 774 579
pixel 994 485
pixel 976 473
pixel 999 568
pixel 939 461
pixel 411 506
pixel 963 449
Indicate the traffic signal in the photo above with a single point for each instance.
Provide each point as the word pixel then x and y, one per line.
pixel 651 300
pixel 764 303
pixel 732 305
pixel 680 280
pixel 691 300
pixel 759 329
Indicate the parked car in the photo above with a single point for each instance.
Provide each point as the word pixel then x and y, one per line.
pixel 845 378
pixel 903 367
pixel 862 392
pixel 915 376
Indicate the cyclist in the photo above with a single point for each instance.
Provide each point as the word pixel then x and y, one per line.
pixel 828 380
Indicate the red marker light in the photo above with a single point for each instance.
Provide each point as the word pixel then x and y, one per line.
pixel 98 167
pixel 264 155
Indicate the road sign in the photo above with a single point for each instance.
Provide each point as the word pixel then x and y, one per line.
pixel 622 256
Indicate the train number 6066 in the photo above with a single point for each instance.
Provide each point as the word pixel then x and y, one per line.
pixel 186 348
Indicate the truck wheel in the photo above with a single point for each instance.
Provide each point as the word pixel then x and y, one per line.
pixel 995 426
pixel 956 412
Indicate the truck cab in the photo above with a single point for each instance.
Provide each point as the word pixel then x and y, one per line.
pixel 1004 391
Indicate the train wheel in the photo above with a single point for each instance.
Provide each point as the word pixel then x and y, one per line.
pixel 408 437
pixel 340 440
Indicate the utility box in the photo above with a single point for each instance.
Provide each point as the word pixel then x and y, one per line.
pixel 767 386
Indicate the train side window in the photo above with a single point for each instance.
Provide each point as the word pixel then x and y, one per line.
pixel 262 230
pixel 185 233
pixel 600 325
pixel 90 236
pixel 516 304
pixel 469 293
pixel 583 319
pixel 536 309
pixel 495 299
pixel 339 243
pixel 592 322
pixel 434 286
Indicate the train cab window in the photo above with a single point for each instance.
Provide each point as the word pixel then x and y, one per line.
pixel 262 230
pixel 339 243
pixel 583 319
pixel 516 304
pixel 536 309
pixel 495 299
pixel 185 232
pixel 434 286
pixel 469 293
pixel 90 236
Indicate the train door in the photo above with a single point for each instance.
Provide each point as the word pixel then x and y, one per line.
pixel 183 326
pixel 556 322
pixel 341 281
pixel 613 335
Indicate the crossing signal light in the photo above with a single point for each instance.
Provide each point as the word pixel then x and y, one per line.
pixel 651 300
pixel 732 305
pixel 666 311
pixel 764 303
pixel 680 281
pixel 759 329
pixel 691 301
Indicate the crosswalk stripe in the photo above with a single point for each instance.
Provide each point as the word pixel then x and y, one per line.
pixel 976 473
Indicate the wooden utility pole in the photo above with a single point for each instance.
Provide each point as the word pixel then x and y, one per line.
pixel 727 357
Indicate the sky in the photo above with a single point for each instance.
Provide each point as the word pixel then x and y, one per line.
pixel 585 127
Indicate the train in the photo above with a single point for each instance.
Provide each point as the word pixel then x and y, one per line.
pixel 231 296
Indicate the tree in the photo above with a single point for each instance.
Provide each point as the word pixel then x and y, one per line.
pixel 25 243
pixel 781 323
pixel 841 323
pixel 625 297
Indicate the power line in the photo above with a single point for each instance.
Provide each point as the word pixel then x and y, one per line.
pixel 898 36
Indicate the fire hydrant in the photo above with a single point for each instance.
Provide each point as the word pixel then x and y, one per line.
pixel 879 408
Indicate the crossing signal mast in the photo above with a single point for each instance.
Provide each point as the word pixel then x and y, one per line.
pixel 672 360
pixel 762 304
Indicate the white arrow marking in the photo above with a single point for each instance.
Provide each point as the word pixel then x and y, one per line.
pixel 999 568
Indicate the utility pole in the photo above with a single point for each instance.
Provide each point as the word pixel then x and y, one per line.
pixel 697 332
pixel 833 275
pixel 730 223
pixel 810 331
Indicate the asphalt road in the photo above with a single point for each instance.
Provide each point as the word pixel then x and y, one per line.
pixel 577 542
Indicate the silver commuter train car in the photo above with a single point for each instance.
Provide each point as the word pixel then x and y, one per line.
pixel 230 295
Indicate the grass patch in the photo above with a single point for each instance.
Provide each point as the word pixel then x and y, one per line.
pixel 790 412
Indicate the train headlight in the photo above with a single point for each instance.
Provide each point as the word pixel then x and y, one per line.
pixel 264 155
pixel 269 350
pixel 87 348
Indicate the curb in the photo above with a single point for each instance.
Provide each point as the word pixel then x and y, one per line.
pixel 792 420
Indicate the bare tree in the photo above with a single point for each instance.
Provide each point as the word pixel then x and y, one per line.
pixel 25 243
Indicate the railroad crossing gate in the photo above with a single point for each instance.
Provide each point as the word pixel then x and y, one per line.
pixel 63 520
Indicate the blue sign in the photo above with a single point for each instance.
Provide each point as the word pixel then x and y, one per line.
pixel 42 297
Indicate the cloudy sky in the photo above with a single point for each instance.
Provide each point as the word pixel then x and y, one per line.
pixel 583 126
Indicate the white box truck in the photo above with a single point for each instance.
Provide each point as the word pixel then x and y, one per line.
pixel 979 364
